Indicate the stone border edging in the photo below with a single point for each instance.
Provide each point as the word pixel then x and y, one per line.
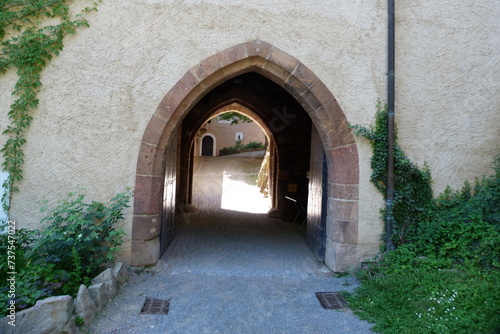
pixel 58 314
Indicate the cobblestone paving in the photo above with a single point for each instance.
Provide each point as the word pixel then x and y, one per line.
pixel 223 242
pixel 232 272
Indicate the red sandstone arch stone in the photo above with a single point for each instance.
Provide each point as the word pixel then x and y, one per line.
pixel 307 89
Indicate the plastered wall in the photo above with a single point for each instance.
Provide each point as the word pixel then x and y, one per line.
pixel 225 134
pixel 100 93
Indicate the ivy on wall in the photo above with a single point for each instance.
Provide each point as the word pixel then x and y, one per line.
pixel 413 185
pixel 31 33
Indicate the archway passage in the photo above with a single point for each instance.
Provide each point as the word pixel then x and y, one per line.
pixel 302 104
pixel 285 122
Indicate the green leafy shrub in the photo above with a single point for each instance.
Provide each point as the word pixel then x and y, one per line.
pixel 254 144
pixel 464 225
pixel 76 240
pixel 238 148
pixel 443 277
pixel 78 234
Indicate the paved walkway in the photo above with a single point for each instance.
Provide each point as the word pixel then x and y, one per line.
pixel 228 182
pixel 230 271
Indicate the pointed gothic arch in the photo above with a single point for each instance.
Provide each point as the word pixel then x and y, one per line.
pixel 299 81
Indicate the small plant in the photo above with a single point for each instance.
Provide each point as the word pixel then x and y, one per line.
pixel 76 240
pixel 79 321
pixel 254 144
pixel 81 236
pixel 238 147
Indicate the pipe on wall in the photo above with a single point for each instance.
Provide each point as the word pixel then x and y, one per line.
pixel 391 61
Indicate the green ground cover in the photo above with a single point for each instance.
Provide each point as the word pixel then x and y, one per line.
pixel 444 275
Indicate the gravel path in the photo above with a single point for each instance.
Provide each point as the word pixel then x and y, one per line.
pixel 229 271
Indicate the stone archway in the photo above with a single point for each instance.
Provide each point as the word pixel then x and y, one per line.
pixel 324 111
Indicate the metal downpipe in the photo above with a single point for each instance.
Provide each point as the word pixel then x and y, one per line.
pixel 391 41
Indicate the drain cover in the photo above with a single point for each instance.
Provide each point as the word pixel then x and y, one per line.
pixel 155 306
pixel 331 300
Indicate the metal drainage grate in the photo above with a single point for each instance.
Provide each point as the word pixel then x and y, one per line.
pixel 155 306
pixel 331 300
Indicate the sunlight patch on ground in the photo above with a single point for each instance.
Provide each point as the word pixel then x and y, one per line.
pixel 238 195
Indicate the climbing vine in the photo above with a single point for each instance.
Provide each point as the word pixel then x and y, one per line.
pixel 31 33
pixel 413 187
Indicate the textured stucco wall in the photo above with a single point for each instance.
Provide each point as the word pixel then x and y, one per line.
pixel 100 93
pixel 448 79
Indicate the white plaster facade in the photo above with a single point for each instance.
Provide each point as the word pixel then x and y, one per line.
pixel 224 135
pixel 100 92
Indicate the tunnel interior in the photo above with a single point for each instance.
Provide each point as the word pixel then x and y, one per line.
pixel 288 127
pixel 289 131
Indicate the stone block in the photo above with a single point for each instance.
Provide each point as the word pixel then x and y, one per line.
pixel 345 165
pixel 146 227
pixel 120 274
pixel 340 257
pixel 53 315
pixel 85 306
pixel 108 278
pixel 343 209
pixel 146 199
pixel 145 252
pixel 99 295
pixel 344 231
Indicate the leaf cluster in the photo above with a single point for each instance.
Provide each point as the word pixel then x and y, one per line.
pixel 28 45
pixel 464 225
pixel 413 190
pixel 76 240
pixel 234 117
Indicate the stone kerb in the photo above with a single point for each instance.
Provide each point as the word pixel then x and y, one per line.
pixel 58 314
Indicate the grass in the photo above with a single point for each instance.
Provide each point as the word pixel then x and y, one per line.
pixel 421 299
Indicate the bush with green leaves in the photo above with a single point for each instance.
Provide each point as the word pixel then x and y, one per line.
pixel 443 277
pixel 234 117
pixel 251 144
pixel 254 144
pixel 446 279
pixel 76 240
pixel 464 225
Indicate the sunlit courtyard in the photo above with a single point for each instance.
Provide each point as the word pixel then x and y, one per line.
pixel 229 183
